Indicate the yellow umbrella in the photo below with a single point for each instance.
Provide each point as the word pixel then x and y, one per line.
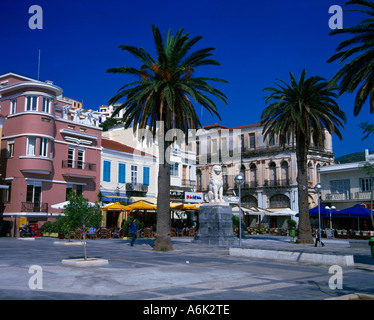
pixel 192 206
pixel 142 205
pixel 116 207
pixel 176 205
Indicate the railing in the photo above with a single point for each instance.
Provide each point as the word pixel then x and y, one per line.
pixel 277 183
pixel 362 195
pixel 188 183
pixel 131 186
pixel 34 207
pixel 78 165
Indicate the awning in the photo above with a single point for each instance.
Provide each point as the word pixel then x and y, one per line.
pixel 62 205
pixel 116 207
pixel 284 212
pixel 142 205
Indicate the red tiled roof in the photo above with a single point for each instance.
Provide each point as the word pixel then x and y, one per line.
pixel 114 145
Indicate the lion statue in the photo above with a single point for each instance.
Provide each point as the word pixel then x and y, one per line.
pixel 215 193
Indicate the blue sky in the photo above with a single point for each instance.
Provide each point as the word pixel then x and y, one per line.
pixel 256 42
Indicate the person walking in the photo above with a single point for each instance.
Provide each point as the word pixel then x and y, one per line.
pixel 318 238
pixel 133 231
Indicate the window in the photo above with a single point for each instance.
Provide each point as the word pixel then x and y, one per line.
pixel 174 169
pixel 10 149
pixel 80 160
pixel 31 103
pixel 271 140
pixel 33 193
pixel 340 186
pixel 46 105
pixel 121 173
pixel 252 140
pixel 44 147
pixel 241 141
pixel 134 173
pixel 31 146
pixel 214 146
pixel 146 171
pixel 79 190
pixel 365 184
pixel 13 106
pixel 7 193
pixel 106 171
pixel 70 157
pixel 69 188
pixel 279 201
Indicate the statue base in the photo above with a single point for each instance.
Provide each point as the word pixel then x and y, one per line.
pixel 215 225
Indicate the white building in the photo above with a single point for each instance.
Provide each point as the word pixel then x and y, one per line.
pixel 127 174
pixel 344 185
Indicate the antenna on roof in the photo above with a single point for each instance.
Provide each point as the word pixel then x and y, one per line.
pixel 39 65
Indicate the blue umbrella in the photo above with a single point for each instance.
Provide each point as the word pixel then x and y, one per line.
pixel 357 211
pixel 325 213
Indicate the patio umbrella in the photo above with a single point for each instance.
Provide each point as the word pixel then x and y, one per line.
pixel 176 205
pixel 357 211
pixel 191 206
pixel 62 205
pixel 116 207
pixel 142 205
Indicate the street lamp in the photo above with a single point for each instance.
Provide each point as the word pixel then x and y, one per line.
pixel 239 180
pixel 332 208
pixel 318 189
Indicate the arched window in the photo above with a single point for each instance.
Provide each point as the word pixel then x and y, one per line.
pixel 272 174
pixel 310 172
pixel 284 172
pixel 253 175
pixel 198 180
pixel 279 201
pixel 249 201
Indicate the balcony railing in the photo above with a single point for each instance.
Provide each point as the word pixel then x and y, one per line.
pixel 188 183
pixel 362 195
pixel 78 165
pixel 139 187
pixel 277 183
pixel 34 207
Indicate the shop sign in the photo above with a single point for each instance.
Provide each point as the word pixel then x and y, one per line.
pixel 193 197
pixel 177 194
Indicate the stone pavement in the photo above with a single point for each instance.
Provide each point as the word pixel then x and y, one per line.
pixel 190 272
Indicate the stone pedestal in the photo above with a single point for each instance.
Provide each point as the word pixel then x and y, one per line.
pixel 215 225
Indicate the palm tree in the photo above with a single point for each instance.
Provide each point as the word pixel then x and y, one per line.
pixel 359 71
pixel 162 98
pixel 299 112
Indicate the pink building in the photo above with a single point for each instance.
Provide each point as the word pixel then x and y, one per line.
pixel 47 149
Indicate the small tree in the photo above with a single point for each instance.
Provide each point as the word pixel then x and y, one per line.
pixel 80 213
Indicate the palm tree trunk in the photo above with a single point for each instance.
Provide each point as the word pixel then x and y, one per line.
pixel 305 230
pixel 162 236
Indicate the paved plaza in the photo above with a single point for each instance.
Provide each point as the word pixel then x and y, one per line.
pixel 190 272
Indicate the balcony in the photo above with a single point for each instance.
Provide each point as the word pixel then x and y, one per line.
pixel 136 187
pixel 34 207
pixel 78 169
pixel 346 196
pixel 277 183
pixel 188 183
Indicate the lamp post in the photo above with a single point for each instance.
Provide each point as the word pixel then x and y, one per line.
pixel 332 208
pixel 239 180
pixel 318 189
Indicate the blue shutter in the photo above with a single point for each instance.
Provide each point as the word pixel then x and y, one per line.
pixel 106 175
pixel 146 176
pixel 121 173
